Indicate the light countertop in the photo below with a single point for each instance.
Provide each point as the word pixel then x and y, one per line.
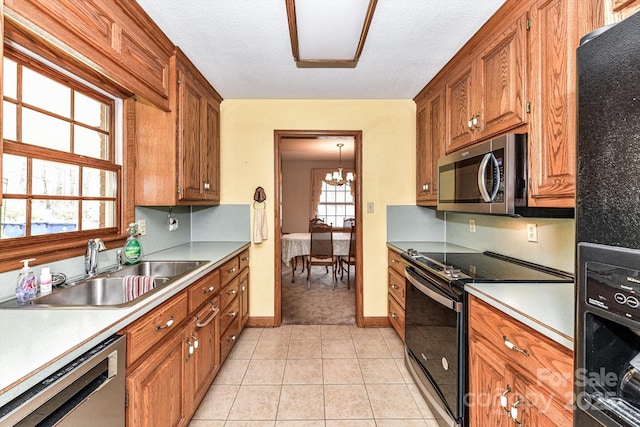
pixel 35 342
pixel 548 308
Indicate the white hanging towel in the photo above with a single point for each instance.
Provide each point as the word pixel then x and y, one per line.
pixel 259 226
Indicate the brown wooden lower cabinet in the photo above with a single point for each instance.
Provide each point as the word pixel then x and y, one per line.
pixel 528 386
pixel 173 358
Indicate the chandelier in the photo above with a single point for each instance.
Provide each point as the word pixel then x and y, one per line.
pixel 337 178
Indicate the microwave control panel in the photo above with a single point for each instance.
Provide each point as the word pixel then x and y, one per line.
pixel 613 289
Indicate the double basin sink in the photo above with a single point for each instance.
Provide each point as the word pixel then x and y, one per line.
pixel 108 289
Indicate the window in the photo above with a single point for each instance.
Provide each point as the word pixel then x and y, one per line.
pixel 336 204
pixel 59 170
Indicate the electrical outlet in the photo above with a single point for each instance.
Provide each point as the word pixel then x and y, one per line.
pixel 532 233
pixel 142 227
pixel 472 225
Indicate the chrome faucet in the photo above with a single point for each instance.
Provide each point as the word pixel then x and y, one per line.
pixel 91 258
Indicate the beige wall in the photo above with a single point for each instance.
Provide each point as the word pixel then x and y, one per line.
pixel 388 174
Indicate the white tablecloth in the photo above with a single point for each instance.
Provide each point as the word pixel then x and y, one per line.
pixel 297 244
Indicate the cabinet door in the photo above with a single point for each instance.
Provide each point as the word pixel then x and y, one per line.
pixel 244 297
pixel 622 9
pixel 189 128
pixel 487 385
pixel 210 162
pixel 552 132
pixel 501 76
pixel 429 147
pixel 539 407
pixel 206 357
pixel 155 388
pixel 459 110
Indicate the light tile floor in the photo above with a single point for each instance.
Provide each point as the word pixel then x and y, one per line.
pixel 314 376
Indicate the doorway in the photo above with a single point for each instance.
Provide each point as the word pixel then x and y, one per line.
pixel 280 140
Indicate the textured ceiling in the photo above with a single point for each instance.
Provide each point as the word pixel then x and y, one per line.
pixel 243 48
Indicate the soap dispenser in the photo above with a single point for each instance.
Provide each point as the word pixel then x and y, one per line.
pixel 27 286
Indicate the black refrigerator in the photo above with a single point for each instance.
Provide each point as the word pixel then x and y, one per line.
pixel 607 336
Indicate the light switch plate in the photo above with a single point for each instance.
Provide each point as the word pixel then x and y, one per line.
pixel 142 227
pixel 369 207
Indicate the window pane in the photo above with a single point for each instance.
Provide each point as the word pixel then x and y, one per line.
pixel 14 173
pixel 9 121
pixel 53 178
pixel 10 78
pixel 331 196
pixel 98 214
pixel 340 197
pixel 98 183
pixel 90 143
pixel 340 211
pixel 53 216
pixel 45 131
pixel 351 211
pixel 91 112
pixel 45 93
pixel 14 218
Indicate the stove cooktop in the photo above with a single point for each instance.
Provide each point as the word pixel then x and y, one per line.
pixel 483 267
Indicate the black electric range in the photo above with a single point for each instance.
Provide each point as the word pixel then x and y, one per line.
pixel 458 268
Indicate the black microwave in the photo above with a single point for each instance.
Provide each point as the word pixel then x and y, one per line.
pixel 490 178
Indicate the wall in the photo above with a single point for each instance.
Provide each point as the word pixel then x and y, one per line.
pixel 388 175
pixel 296 193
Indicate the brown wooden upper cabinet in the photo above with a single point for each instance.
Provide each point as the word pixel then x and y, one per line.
pixel 178 153
pixel 429 145
pixel 116 36
pixel 487 96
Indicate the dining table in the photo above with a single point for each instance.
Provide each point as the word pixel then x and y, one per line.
pixel 299 244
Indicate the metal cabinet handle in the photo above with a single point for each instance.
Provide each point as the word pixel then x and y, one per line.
pixel 231 314
pixel 503 398
pixel 195 342
pixel 470 123
pixel 394 286
pixel 394 315
pixel 231 338
pixel 426 186
pixel 512 346
pixel 514 411
pixel 246 258
pixel 214 313
pixel 231 270
pixel 191 349
pixel 209 289
pixel 394 260
pixel 244 288
pixel 166 325
pixel 231 292
pixel 206 185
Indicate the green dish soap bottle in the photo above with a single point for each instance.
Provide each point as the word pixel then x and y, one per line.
pixel 131 251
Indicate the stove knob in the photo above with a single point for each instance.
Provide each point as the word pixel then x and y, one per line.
pixel 448 269
pixel 455 273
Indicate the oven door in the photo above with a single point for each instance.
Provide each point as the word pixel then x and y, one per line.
pixel 434 336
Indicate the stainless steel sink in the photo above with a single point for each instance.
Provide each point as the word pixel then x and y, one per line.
pixel 108 289
pixel 95 291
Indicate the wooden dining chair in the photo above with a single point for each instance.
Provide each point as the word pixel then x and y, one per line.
pixel 321 250
pixel 312 221
pixel 350 259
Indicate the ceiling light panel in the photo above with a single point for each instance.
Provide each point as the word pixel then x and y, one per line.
pixel 330 29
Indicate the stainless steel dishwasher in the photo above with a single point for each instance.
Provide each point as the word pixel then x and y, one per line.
pixel 90 390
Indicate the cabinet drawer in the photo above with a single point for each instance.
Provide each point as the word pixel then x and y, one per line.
pixel 397 286
pixel 396 262
pixel 244 259
pixel 202 290
pixel 396 316
pixel 229 314
pixel 154 326
pixel 228 338
pixel 547 362
pixel 229 270
pixel 229 292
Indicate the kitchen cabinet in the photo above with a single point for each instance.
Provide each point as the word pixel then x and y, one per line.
pixel 178 153
pixel 516 375
pixel 234 302
pixel 552 131
pixel 617 10
pixel 154 390
pixel 174 354
pixel 487 95
pixel 116 37
pixel 396 292
pixel 429 145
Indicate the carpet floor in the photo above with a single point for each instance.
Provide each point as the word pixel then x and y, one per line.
pixel 321 301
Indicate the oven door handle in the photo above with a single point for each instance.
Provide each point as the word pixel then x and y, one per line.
pixel 424 285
